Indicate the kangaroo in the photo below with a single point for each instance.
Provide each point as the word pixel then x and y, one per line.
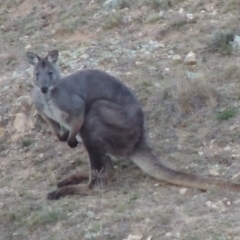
pixel 107 116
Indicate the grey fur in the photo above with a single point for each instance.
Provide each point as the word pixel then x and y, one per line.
pixel 107 116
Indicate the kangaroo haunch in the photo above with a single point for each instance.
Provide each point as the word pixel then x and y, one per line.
pixel 108 117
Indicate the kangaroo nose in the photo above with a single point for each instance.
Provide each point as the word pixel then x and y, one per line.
pixel 44 89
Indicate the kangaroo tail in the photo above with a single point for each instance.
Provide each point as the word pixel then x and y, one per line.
pixel 144 158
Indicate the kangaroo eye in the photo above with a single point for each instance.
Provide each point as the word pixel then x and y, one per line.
pixel 50 73
pixel 36 74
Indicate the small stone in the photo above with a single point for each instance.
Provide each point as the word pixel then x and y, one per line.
pixel 21 124
pixel 3 28
pixel 112 4
pixel 181 10
pixel 226 202
pixel 236 176
pixel 189 16
pixel 168 234
pixel 28 47
pixel 85 56
pixel 236 42
pixel 234 127
pixel 209 203
pixel 214 172
pixel 161 14
pixel 190 59
pixel 161 45
pixel 227 148
pixel 134 237
pixel 183 191
pixel 149 238
pixel 177 58
pixel 200 153
pixel 138 63
pixel 91 214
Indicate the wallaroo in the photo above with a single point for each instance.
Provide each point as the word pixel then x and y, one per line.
pixel 108 117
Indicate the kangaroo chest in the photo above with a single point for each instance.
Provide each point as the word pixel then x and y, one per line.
pixel 53 112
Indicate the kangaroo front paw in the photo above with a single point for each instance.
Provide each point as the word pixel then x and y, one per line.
pixel 63 137
pixel 63 183
pixel 73 143
pixel 55 195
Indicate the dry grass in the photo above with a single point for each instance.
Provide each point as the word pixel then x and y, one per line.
pixel 184 118
pixel 220 43
pixel 112 20
pixel 193 95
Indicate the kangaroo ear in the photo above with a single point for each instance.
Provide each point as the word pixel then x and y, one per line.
pixel 52 56
pixel 32 58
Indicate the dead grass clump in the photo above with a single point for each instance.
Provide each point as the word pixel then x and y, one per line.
pixel 157 4
pixel 112 20
pixel 192 95
pixel 221 43
pixel 231 73
pixel 8 61
pixel 231 6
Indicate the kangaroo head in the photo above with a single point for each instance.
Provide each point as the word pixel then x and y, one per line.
pixel 46 73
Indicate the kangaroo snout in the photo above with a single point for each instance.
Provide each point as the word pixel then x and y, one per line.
pixel 44 89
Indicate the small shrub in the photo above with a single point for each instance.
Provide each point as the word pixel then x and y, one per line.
pixel 158 4
pixel 112 20
pixel 44 216
pixel 26 142
pixel 178 24
pixel 153 18
pixel 192 95
pixel 227 114
pixel 221 43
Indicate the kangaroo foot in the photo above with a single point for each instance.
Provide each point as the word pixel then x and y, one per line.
pixel 100 179
pixel 82 189
pixel 74 179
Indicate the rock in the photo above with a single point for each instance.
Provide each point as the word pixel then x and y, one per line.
pixel 227 148
pixel 214 172
pixel 134 237
pixel 236 43
pixel 138 63
pixel 85 56
pixel 189 16
pixel 190 59
pixel 112 4
pixel 211 204
pixel 149 238
pixel 177 59
pixel 181 10
pixel 90 235
pixel 234 127
pixel 168 234
pixel 220 206
pixel 3 28
pixel 236 177
pixel 28 47
pixel 183 191
pixel 21 124
pixel 91 214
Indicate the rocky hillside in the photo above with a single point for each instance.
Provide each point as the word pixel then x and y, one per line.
pixel 181 58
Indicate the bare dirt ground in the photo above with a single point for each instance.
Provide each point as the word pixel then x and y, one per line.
pixel 192 114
